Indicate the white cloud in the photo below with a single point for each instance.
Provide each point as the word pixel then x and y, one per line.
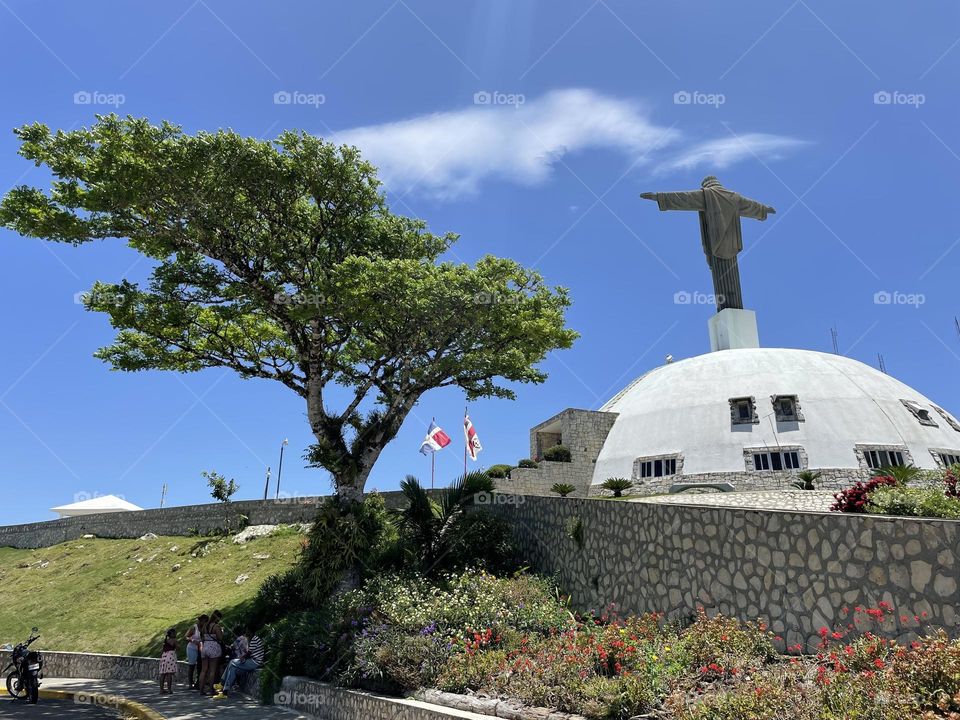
pixel 724 152
pixel 449 154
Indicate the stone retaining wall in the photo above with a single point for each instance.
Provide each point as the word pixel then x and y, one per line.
pixel 830 479
pixel 183 520
pixel 796 569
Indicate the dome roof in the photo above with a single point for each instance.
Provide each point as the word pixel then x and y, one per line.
pixel 684 407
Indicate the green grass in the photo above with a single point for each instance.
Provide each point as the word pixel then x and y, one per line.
pixel 93 595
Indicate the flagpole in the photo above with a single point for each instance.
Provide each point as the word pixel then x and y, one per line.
pixel 433 458
pixel 465 440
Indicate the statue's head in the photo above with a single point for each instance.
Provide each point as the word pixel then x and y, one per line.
pixel 710 181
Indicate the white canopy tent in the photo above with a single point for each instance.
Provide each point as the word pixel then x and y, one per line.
pixel 102 504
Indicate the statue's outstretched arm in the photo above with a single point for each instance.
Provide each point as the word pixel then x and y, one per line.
pixel 685 200
pixel 753 209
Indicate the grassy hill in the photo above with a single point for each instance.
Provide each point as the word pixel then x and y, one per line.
pixel 120 596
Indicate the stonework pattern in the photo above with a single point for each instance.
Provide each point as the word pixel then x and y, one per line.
pixel 794 569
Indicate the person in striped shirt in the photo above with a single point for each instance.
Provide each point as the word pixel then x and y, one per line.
pixel 249 658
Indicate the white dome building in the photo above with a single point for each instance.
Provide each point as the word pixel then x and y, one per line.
pixel 746 418
pixel 755 416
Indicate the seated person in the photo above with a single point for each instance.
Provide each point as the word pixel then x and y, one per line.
pixel 248 656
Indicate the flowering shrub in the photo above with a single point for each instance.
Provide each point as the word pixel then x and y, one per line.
pixel 855 498
pixel 919 502
pixel 929 669
pixel 724 647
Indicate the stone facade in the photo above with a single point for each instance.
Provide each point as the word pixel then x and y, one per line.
pixel 202 519
pixel 796 569
pixel 583 432
pixel 830 479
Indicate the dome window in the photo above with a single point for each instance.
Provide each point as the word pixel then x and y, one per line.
pixel 655 466
pixel 786 408
pixel 945 458
pixel 784 458
pixel 743 411
pixel 877 457
pixel 946 416
pixel 920 413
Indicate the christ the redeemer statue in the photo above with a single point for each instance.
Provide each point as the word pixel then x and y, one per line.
pixel 720 212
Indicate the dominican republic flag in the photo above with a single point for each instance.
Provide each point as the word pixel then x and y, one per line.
pixel 436 439
pixel 473 442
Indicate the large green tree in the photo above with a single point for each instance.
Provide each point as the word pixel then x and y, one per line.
pixel 281 260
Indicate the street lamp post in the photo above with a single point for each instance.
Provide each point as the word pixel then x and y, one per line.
pixel 266 486
pixel 280 467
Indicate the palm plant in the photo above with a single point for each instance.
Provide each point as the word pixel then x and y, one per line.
pixel 806 480
pixel 562 489
pixel 903 474
pixel 428 524
pixel 616 485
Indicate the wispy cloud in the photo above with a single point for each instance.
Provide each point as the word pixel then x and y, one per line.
pixel 727 151
pixel 448 155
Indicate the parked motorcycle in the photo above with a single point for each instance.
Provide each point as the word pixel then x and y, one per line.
pixel 23 682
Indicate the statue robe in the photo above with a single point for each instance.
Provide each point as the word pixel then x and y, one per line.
pixel 720 211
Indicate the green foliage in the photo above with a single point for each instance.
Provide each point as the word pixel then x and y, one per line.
pixel 575 531
pixel 903 474
pixel 806 480
pixel 616 485
pixel 557 453
pixel 721 645
pixel 500 471
pixel 220 488
pixel 913 501
pixel 279 595
pixel 437 536
pixel 527 463
pixel 281 260
pixel 298 644
pixel 562 489
pixel 347 543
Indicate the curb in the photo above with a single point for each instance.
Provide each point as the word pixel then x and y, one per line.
pixel 130 707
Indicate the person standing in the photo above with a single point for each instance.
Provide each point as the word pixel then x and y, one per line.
pixel 211 650
pixel 193 638
pixel 168 661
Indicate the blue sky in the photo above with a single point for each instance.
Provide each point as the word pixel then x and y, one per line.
pixel 529 128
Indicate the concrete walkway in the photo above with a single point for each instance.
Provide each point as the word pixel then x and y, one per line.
pixel 181 705
pixel 803 500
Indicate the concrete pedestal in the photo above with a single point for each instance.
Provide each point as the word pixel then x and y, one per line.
pixel 731 329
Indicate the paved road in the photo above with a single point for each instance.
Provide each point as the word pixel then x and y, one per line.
pixel 51 709
pixel 181 705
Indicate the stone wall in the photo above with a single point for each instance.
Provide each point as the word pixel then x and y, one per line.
pixel 182 520
pixel 583 432
pixel 796 569
pixel 830 479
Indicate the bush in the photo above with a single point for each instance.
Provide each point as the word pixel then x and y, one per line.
pixel 557 453
pixel 930 671
pixel 721 646
pixel 499 472
pixel 479 539
pixel 279 595
pixel 388 660
pixel 806 480
pixel 299 644
pixel 562 489
pixel 854 499
pixel 527 463
pixel 916 502
pixel 616 485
